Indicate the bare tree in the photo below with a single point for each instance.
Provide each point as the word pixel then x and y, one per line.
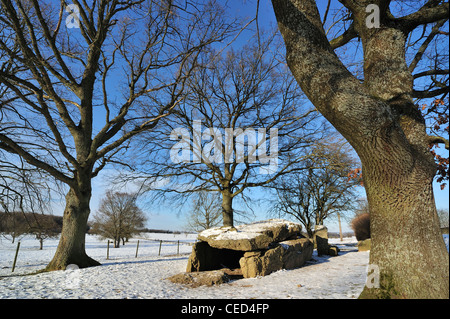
pixel 76 87
pixel 42 227
pixel 379 118
pixel 206 211
pixel 241 126
pixel 118 217
pixel 321 191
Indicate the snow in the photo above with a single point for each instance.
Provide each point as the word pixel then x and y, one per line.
pixel 247 231
pixel 125 276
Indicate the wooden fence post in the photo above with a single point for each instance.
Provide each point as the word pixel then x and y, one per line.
pixel 15 257
pixel 160 243
pixel 107 251
pixel 137 248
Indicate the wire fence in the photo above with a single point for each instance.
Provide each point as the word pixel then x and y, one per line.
pixel 151 247
pixel 25 255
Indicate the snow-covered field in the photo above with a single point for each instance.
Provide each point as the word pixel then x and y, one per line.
pixel 31 259
pixel 125 276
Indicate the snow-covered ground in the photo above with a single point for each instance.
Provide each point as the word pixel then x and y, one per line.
pixel 125 276
pixel 31 259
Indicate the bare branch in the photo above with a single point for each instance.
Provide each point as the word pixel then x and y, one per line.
pixel 344 38
pixel 430 93
pixel 430 72
pixel 10 146
pixel 439 140
pixel 427 14
pixel 420 52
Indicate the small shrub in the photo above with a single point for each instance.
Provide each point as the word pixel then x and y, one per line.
pixel 361 226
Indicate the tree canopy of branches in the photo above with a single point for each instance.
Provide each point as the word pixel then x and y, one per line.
pixel 24 198
pixel 118 217
pixel 376 112
pixel 322 190
pixel 23 188
pixel 241 126
pixel 76 87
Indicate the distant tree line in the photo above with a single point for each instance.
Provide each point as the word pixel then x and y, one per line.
pixel 17 224
pixel 159 231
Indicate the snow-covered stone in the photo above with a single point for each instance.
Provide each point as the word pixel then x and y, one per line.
pixel 258 249
pixel 249 237
pixel 203 278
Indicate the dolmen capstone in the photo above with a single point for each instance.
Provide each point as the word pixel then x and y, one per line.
pixel 257 249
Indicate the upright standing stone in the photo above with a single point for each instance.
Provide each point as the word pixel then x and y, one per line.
pixel 321 239
pixel 364 245
pixel 288 254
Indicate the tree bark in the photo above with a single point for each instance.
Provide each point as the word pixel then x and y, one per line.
pixel 227 209
pixel 387 131
pixel 407 244
pixel 71 247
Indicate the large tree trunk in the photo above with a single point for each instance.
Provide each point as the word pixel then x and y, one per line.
pixel 385 128
pixel 407 246
pixel 71 247
pixel 227 209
